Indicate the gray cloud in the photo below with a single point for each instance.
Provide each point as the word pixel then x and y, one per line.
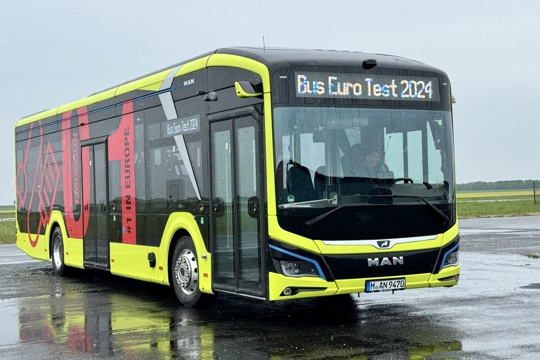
pixel 58 51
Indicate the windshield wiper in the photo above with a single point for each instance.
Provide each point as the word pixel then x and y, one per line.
pixel 443 217
pixel 308 204
pixel 308 224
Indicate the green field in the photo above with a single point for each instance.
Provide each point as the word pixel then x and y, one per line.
pixel 7 228
pixel 496 195
pixel 497 203
pixel 469 205
pixel 475 209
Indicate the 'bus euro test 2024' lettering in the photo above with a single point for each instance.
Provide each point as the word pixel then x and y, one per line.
pixel 374 87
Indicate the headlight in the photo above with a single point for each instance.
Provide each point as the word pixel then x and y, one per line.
pixel 296 263
pixel 451 259
pixel 298 268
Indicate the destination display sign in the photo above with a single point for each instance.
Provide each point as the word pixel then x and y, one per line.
pixel 366 86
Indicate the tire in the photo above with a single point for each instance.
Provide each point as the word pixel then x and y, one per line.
pixel 57 255
pixel 185 275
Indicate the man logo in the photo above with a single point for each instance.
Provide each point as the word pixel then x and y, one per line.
pixel 383 244
pixel 396 260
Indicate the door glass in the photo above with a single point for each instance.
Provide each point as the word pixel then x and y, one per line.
pixel 223 206
pixel 96 245
pixel 236 206
pixel 100 201
pixel 248 229
pixel 89 205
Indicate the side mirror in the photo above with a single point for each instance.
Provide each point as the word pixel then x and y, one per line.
pixel 245 89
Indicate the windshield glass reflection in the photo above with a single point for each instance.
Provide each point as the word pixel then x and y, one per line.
pixel 330 156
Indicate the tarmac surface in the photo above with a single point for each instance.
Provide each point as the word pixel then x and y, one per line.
pixel 492 314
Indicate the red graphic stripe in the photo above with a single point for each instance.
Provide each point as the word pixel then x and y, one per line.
pixel 33 241
pixel 75 129
pixel 122 148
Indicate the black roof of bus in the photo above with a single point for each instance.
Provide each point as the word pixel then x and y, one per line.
pixel 275 58
pixel 279 58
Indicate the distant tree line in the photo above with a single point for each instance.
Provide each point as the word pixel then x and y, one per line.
pixel 499 185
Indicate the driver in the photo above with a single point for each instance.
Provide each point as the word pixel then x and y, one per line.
pixel 363 160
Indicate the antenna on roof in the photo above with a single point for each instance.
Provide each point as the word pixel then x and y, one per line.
pixel 264 46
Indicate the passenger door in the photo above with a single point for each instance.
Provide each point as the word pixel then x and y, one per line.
pixel 96 244
pixel 237 242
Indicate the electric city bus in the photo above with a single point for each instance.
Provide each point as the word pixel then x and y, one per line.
pixel 270 173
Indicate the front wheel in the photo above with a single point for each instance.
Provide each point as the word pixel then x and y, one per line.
pixel 57 256
pixel 185 274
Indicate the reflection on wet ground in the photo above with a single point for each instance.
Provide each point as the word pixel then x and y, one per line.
pixel 491 314
pixel 137 320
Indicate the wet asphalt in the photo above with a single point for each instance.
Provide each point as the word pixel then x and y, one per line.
pixel 494 313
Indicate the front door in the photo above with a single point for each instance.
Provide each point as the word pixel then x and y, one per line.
pixel 96 244
pixel 236 205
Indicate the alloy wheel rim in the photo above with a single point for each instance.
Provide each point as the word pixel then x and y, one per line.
pixel 57 253
pixel 186 272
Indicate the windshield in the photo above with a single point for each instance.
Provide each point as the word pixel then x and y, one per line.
pixel 328 157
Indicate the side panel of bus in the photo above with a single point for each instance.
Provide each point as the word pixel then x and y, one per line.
pixel 113 172
pixel 127 176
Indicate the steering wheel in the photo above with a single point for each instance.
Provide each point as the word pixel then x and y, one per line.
pixel 405 180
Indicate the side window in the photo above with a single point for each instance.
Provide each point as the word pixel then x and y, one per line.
pixel 173 175
pixel 163 165
pixel 139 158
pixel 174 158
pixel 194 148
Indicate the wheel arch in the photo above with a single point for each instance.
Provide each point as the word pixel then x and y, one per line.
pixel 179 233
pixel 54 226
pixel 179 225
pixel 56 221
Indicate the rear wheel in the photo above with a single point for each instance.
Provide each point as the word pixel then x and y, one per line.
pixel 185 274
pixel 57 256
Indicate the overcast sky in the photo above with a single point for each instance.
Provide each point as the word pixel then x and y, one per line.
pixel 56 51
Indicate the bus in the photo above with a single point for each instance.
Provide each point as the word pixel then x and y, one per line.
pixel 274 174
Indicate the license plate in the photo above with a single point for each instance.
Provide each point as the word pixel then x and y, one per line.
pixel 385 285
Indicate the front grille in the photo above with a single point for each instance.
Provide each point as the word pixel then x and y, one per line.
pixel 382 264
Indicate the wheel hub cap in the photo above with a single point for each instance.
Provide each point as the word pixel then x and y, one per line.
pixel 186 271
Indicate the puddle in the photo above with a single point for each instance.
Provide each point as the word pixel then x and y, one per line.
pixel 9 326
